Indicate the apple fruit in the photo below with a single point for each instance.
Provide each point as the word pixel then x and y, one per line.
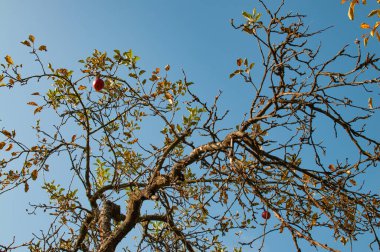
pixel 98 84
pixel 265 215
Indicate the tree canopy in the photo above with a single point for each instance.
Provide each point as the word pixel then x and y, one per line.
pixel 199 181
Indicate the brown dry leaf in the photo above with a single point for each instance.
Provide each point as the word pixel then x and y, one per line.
pixel 2 144
pixel 34 174
pixel 332 167
pixel 10 146
pixel 26 187
pixel 37 110
pixel 6 133
pixel 32 103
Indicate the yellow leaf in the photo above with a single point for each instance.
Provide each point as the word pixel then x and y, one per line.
pixel 31 38
pixel 351 10
pixel 9 60
pixel 365 41
pixel 365 26
pixel 2 144
pixel 42 48
pixel 364 1
pixel 81 87
pixel 378 36
pixel 6 133
pixel 169 97
pixel 343 1
pixel 25 42
pixel 34 174
pixel 10 146
pixel 373 12
pixel 370 104
pixel 32 103
pixel 37 110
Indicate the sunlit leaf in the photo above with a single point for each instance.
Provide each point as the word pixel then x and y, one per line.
pixel 9 60
pixel 373 12
pixel 365 41
pixel 370 104
pixel 169 97
pixel 351 10
pixel 365 26
pixel 81 87
pixel 25 42
pixel 42 48
pixel 31 38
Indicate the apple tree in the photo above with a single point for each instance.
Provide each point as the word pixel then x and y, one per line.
pixel 199 181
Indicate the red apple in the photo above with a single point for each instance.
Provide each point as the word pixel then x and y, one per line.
pixel 265 215
pixel 98 84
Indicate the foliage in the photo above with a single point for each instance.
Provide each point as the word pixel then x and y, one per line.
pixel 201 181
pixel 364 25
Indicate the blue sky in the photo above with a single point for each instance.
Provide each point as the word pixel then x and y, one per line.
pixel 192 35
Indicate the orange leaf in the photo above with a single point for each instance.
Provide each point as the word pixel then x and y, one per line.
pixel 365 41
pixel 2 144
pixel 37 110
pixel 32 103
pixel 365 26
pixel 10 146
pixel 81 87
pixel 351 10
pixel 332 167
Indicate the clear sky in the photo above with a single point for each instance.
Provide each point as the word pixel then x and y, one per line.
pixel 192 35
